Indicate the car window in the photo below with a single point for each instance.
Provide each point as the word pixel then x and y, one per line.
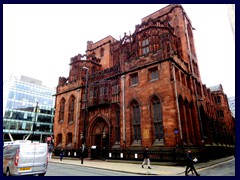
pixel 10 149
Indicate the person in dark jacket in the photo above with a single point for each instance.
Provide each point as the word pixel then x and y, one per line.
pixel 104 153
pixel 146 158
pixel 61 154
pixel 50 149
pixel 190 166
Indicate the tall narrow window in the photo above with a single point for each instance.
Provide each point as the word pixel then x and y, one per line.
pixel 220 113
pixel 134 79
pixel 69 140
pixel 189 82
pixel 217 99
pixel 61 110
pixel 71 109
pixel 102 90
pixel 106 89
pixel 157 118
pixel 153 73
pixel 199 89
pixel 183 79
pixel 136 119
pixel 91 94
pixel 204 121
pixel 117 127
pixel 115 89
pixel 101 52
pixel 59 140
pixel 145 46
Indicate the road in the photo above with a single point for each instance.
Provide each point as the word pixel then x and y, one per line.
pixel 226 168
pixel 55 169
pixel 222 169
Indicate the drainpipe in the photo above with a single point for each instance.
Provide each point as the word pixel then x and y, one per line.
pixel 176 96
pixel 76 122
pixel 123 108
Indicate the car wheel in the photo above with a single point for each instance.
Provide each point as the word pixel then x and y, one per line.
pixel 8 172
pixel 41 174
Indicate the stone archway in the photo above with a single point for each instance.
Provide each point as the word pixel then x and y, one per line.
pixel 99 136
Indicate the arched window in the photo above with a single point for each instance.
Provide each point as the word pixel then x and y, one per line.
pixel 61 110
pixel 71 109
pixel 59 140
pixel 156 112
pixel 136 121
pixel 69 140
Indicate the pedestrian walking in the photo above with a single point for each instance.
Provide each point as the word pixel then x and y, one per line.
pixel 61 154
pixel 146 158
pixel 104 153
pixel 190 165
pixel 50 149
pixel 82 152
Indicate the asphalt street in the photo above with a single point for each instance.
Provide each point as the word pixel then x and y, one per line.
pixel 73 167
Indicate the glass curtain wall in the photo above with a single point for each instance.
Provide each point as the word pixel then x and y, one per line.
pixel 20 114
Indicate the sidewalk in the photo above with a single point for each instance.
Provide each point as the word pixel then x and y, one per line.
pixel 135 167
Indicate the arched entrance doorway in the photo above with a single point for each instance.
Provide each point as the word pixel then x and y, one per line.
pixel 99 138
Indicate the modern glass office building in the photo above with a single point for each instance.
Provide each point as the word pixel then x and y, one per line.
pixel 28 109
pixel 231 102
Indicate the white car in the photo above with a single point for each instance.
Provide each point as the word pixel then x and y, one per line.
pixel 25 158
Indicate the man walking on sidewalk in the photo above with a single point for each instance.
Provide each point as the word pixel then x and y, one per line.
pixel 61 154
pixel 146 158
pixel 190 166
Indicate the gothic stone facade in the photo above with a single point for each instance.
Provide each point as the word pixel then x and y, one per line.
pixel 142 90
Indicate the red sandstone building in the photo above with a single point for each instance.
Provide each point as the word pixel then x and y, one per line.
pixel 142 90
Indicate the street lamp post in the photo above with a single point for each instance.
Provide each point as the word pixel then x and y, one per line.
pixel 104 138
pixel 104 134
pixel 203 150
pixel 85 114
pixel 104 150
pixel 176 131
pixel 82 149
pixel 35 119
